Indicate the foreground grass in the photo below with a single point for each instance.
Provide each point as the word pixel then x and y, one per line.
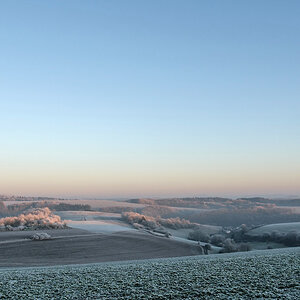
pixel 266 274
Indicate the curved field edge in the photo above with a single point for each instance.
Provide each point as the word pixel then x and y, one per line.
pixel 273 274
pixel 280 227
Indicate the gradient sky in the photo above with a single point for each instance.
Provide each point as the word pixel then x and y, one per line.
pixel 149 98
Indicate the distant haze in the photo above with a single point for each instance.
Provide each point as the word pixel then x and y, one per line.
pixel 149 98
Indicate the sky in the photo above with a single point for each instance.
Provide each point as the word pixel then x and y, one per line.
pixel 108 99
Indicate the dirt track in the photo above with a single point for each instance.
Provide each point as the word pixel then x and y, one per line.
pixel 90 249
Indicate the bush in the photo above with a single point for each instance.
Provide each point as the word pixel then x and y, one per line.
pixel 132 217
pixel 175 223
pixel 266 237
pixel 229 246
pixel 291 239
pixel 198 235
pixel 276 236
pixel 244 247
pixel 40 236
pixel 152 223
pixel 217 240
pixel 35 218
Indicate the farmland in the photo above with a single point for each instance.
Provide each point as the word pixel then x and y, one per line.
pixel 257 274
pixel 281 227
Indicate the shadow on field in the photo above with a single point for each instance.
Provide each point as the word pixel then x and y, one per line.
pixel 90 248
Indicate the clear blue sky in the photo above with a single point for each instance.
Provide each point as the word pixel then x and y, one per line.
pixel 149 98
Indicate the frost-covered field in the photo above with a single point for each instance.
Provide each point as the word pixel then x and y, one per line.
pixel 273 274
pixel 100 226
pixel 281 227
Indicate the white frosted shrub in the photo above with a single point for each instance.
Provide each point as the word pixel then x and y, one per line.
pixel 36 218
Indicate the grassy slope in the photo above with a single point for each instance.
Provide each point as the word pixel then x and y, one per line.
pixel 91 248
pixel 281 227
pixel 260 274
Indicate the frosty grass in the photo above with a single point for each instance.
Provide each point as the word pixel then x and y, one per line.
pixel 265 274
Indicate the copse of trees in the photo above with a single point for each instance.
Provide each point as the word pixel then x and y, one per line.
pixel 39 218
pixel 153 223
pixel 136 218
pixel 231 246
pixel 198 235
pixel 16 209
pixel 175 223
pixel 218 240
pixel 62 206
pixel 290 239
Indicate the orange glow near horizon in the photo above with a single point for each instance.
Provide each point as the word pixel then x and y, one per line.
pixel 149 183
